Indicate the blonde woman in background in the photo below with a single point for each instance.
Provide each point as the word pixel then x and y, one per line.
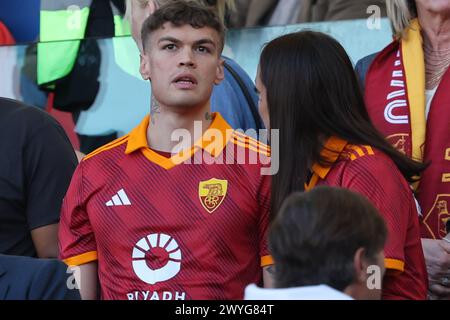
pixel 408 97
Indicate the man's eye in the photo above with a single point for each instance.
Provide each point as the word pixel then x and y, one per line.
pixel 169 47
pixel 203 49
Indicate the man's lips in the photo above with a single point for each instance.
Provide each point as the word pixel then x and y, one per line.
pixel 185 81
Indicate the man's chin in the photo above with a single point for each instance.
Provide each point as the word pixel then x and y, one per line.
pixel 186 105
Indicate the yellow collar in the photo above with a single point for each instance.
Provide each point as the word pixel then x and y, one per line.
pixel 213 141
pixel 330 153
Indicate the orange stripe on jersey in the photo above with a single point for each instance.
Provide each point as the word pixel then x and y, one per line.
pixel 81 259
pixel 266 261
pixel 312 183
pixel 357 149
pixel 108 146
pixel 250 147
pixel 394 264
pixel 249 139
pixel 369 150
pixel 356 152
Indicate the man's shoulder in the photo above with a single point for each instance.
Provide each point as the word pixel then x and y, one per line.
pixel 112 150
pixel 249 146
pixel 16 114
pixel 356 157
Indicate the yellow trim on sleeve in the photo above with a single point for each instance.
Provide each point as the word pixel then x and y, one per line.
pixel 81 259
pixel 394 264
pixel 266 261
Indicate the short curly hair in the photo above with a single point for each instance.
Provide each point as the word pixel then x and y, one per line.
pixel 180 13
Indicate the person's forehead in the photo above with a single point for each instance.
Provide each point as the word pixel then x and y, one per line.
pixel 186 33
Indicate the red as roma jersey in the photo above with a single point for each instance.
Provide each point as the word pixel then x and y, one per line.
pixel 192 226
pixel 371 173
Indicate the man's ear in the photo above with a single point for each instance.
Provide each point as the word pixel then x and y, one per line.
pixel 151 7
pixel 144 67
pixel 360 265
pixel 220 72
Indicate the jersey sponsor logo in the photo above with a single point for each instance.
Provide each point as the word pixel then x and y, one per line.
pixel 119 199
pixel 156 295
pixel 156 258
pixel 212 193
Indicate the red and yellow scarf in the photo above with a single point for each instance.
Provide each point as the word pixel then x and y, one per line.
pixel 395 98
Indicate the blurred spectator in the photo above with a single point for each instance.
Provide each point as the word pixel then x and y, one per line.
pixel 251 13
pixel 286 12
pixel 326 244
pixel 331 10
pixel 5 36
pixel 281 12
pixel 25 278
pixel 71 68
pixel 36 166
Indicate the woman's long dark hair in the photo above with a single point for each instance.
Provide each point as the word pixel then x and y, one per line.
pixel 313 94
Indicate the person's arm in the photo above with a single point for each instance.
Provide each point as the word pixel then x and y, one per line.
pixel 78 248
pixel 80 155
pixel 266 259
pixel 51 281
pixel 437 259
pixel 49 161
pixel 87 281
pixel 378 179
pixel 45 240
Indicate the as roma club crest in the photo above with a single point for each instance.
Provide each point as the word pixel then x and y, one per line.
pixel 400 142
pixel 212 193
pixel 439 215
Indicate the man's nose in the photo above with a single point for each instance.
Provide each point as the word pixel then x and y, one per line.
pixel 187 58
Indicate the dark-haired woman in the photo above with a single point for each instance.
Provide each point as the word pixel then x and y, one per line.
pixel 309 92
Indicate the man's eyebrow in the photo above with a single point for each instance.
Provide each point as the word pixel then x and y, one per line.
pixel 169 39
pixel 197 43
pixel 205 41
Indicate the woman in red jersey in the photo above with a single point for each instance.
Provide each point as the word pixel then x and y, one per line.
pixel 309 92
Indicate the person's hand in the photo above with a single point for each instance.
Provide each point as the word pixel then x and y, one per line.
pixel 437 259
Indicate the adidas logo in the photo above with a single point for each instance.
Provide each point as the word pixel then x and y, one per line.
pixel 119 199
